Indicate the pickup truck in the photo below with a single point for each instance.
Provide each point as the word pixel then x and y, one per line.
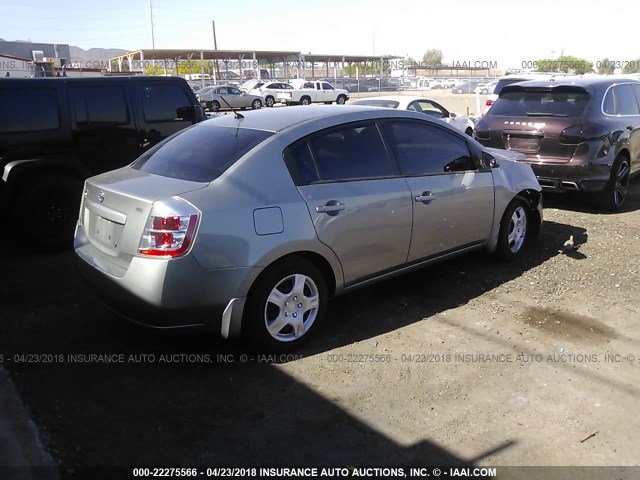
pixel 314 92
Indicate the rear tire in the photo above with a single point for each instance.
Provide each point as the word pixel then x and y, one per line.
pixel 46 210
pixel 305 101
pixel 215 106
pixel 515 228
pixel 616 191
pixel 285 306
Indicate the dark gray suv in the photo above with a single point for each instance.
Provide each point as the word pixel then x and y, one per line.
pixel 55 132
pixel 578 133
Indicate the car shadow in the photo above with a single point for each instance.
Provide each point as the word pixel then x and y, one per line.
pixel 584 203
pixel 106 394
pixel 426 292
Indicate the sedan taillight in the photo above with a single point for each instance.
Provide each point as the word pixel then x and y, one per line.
pixel 169 233
pixel 489 102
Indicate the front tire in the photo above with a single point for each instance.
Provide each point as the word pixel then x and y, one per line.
pixel 285 306
pixel 215 106
pixel 515 228
pixel 617 189
pixel 256 104
pixel 269 102
pixel 341 100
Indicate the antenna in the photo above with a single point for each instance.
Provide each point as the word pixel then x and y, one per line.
pixel 236 114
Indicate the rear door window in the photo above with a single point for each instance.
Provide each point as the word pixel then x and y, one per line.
pixel 28 109
pixel 161 102
pixel 200 154
pixel 104 105
pixel 349 152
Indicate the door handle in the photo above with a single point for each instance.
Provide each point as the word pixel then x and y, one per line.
pixel 426 197
pixel 330 207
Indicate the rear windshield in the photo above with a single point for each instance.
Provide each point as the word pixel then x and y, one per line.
pixel 561 102
pixel 378 103
pixel 201 153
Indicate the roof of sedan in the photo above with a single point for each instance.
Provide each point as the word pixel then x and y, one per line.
pixel 279 118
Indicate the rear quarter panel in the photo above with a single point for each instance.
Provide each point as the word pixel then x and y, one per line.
pixel 228 237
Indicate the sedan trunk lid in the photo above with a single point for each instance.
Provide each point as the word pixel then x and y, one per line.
pixel 117 204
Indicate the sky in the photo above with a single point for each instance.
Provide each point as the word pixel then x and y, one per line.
pixel 502 31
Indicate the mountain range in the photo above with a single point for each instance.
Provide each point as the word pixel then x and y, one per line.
pixel 81 56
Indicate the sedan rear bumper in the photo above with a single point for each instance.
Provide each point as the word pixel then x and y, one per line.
pixel 167 293
pixel 135 309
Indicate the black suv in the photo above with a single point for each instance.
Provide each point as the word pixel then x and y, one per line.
pixel 578 133
pixel 56 132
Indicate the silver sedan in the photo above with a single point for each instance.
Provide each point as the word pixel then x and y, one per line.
pixel 225 97
pixel 249 224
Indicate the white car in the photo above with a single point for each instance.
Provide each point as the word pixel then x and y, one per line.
pixel 422 105
pixel 269 91
pixel 486 88
pixel 438 83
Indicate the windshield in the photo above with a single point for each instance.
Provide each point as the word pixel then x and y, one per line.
pixel 559 102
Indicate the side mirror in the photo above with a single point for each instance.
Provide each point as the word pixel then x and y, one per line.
pixel 186 113
pixel 488 161
pixel 452 115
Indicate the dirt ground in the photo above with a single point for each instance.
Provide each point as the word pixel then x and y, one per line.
pixel 470 361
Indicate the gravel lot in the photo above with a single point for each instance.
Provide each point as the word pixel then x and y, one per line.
pixel 474 360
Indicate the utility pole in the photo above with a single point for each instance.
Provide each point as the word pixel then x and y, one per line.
pixel 215 47
pixel 153 41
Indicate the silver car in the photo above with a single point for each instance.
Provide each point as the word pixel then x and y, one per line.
pixel 226 96
pixel 250 224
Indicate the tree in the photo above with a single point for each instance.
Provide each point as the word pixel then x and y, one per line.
pixel 566 64
pixel 432 58
pixel 632 66
pixel 605 66
pixel 156 69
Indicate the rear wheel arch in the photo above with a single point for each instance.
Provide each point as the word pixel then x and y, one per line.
pixel 320 262
pixel 307 278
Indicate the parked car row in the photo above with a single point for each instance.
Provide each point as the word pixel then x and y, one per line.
pixel 248 224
